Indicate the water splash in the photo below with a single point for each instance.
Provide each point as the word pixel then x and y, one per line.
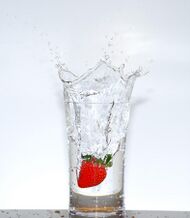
pixel 103 83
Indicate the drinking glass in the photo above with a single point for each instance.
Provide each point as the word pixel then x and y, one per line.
pixel 97 114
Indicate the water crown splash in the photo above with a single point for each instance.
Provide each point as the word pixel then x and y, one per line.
pixel 102 84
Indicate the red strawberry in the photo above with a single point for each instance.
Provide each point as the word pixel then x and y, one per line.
pixel 93 171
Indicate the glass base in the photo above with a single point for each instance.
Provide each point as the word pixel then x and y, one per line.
pixel 96 206
pixel 78 214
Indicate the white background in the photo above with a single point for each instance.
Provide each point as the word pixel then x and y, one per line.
pixel 33 151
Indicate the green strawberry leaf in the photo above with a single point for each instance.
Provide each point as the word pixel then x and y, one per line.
pixel 109 164
pixel 108 158
pixel 87 157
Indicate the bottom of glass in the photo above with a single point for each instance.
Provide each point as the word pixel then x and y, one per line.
pixel 96 206
pixel 93 212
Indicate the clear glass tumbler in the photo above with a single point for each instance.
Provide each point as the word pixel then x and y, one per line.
pixel 97 114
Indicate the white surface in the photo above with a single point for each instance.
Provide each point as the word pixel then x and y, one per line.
pixel 33 154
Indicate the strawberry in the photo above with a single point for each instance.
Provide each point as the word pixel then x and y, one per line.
pixel 93 170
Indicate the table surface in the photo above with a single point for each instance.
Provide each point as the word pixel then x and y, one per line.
pixel 65 214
